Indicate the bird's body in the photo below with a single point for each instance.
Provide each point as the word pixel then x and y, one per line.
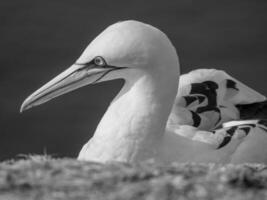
pixel 206 111
pixel 146 120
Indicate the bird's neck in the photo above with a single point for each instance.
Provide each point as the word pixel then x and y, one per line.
pixel 134 122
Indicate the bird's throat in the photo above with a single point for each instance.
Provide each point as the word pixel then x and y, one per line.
pixel 134 122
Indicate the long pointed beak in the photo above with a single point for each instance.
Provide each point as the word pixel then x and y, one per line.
pixel 74 77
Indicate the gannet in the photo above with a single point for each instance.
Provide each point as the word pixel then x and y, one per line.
pixel 148 119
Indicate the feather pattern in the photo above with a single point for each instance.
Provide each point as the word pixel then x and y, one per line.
pixel 209 103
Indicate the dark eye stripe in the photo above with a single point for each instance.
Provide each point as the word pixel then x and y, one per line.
pixel 93 62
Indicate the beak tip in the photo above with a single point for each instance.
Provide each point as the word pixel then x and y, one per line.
pixel 21 109
pixel 24 106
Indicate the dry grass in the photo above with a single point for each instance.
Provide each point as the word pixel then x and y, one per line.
pixel 41 177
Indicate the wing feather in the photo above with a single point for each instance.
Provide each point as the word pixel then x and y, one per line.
pixel 206 108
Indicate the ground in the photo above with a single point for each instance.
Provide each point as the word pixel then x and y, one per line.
pixel 41 177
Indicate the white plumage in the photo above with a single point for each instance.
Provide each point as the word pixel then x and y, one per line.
pixel 206 99
pixel 147 120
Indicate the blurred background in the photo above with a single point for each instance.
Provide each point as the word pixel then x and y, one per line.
pixel 39 39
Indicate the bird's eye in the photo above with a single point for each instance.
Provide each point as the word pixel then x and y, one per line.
pixel 99 61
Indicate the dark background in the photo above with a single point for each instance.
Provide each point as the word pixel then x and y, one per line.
pixel 39 39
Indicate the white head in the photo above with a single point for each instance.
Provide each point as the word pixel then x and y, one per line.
pixel 121 51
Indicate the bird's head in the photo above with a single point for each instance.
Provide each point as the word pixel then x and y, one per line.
pixel 121 51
